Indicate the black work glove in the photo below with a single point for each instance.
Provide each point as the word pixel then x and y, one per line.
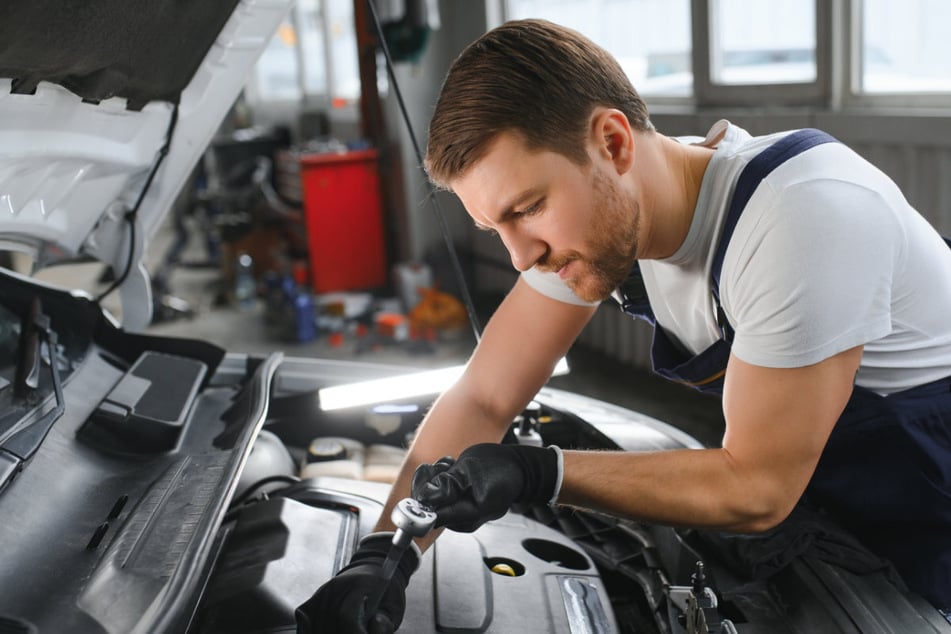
pixel 341 605
pixel 486 481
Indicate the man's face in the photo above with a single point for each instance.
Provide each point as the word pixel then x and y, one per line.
pixel 554 214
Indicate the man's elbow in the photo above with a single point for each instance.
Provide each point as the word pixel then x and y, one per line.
pixel 762 512
pixel 761 524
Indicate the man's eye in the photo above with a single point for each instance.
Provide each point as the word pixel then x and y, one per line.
pixel 531 209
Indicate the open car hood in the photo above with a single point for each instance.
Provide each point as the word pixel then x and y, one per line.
pixel 94 98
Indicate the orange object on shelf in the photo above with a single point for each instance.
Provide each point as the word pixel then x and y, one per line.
pixel 393 326
pixel 438 310
pixel 344 218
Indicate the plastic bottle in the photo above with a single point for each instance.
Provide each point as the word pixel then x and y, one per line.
pixel 305 328
pixel 245 288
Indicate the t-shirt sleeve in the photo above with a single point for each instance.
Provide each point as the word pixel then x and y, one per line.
pixel 812 275
pixel 550 285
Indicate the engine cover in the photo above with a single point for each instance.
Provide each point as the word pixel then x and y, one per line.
pixel 511 572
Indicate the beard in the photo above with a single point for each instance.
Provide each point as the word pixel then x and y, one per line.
pixel 611 244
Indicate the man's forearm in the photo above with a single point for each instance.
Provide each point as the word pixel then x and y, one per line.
pixel 697 488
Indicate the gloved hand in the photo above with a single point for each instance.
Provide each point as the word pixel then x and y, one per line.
pixel 340 605
pixel 485 481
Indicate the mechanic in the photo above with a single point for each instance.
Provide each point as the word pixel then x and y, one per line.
pixel 783 270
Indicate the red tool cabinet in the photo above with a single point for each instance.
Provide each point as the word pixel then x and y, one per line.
pixel 343 214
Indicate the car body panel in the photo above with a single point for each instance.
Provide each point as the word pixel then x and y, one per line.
pixel 72 167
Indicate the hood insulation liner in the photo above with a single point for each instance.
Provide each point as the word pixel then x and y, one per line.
pixel 108 48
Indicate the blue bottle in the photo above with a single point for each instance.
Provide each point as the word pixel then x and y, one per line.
pixel 300 301
pixel 304 327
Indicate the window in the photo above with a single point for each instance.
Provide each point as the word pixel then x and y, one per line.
pixel 769 52
pixel 762 42
pixel 650 38
pixel 344 71
pixel 312 57
pixel 313 47
pixel 276 74
pixel 762 53
pixel 905 47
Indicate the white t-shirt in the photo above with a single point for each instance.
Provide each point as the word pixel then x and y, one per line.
pixel 826 256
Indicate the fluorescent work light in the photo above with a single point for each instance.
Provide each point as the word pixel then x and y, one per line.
pixel 398 387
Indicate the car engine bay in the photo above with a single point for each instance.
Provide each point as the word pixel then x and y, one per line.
pixel 161 485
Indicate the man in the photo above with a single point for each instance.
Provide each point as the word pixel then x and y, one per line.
pixel 783 270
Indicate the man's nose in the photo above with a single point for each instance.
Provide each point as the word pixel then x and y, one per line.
pixel 524 249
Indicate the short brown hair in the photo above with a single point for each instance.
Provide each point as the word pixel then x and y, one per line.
pixel 532 77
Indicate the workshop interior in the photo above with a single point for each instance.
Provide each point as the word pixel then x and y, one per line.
pixel 229 295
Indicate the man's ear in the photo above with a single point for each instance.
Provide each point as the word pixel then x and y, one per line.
pixel 612 138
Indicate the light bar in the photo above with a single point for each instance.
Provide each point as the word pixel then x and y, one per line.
pixel 398 387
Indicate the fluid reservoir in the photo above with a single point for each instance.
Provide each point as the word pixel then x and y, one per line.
pixel 325 450
pixel 334 456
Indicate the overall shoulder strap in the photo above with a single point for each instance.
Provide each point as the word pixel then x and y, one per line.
pixel 755 171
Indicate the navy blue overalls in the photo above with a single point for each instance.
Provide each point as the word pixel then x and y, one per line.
pixel 885 473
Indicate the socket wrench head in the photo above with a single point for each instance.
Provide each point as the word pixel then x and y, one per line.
pixel 412 518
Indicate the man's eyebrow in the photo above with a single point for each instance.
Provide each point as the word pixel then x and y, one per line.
pixel 509 210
